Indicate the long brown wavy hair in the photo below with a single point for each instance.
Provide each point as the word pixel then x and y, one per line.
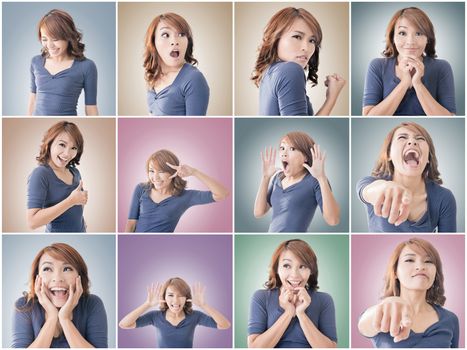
pixel 384 167
pixel 423 24
pixel 152 60
pixel 274 30
pixel 434 295
pixel 60 26
pixel 159 160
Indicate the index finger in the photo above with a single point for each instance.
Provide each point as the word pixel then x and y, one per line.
pixel 175 167
pixel 378 317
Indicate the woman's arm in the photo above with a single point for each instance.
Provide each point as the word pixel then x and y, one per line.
pixel 31 103
pixel 91 110
pixel 197 95
pixel 334 84
pixel 153 298
pixel 130 225
pixel 37 217
pixel 268 159
pixel 198 299
pixel 331 211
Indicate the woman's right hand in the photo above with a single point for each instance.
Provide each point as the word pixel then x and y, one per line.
pixel 51 312
pixel 334 83
pixel 268 159
pixel 287 300
pixel 78 196
pixel 393 315
pixel 393 202
pixel 154 294
pixel 404 68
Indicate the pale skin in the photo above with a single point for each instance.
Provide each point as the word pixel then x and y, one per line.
pixel 398 315
pixel 294 300
pixel 161 192
pixel 173 314
pixel 410 45
pixel 331 211
pixel 58 60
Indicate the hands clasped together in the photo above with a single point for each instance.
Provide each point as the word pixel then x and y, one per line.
pixel 410 70
pixel 294 300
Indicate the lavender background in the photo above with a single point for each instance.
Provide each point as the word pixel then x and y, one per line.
pixel 143 259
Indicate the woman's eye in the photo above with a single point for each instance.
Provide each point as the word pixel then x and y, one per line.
pixel 181 34
pixel 286 266
pixel 292 148
pixel 68 268
pixel 402 33
pixel 409 260
pixel 418 34
pixel 402 137
pixel 303 267
pixel 281 148
pixel 165 35
pixel 313 41
pixel 420 139
pixel 45 269
pixel 299 37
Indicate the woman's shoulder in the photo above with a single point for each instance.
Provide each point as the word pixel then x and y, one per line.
pixel 41 170
pixel 286 69
pixel 21 303
pixel 192 74
pixel 86 65
pixel 92 302
pixel 439 191
pixel 322 297
pixel 38 59
pixel 446 315
pixel 381 62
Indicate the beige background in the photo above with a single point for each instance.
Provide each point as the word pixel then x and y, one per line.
pixel 21 142
pixel 211 25
pixel 250 21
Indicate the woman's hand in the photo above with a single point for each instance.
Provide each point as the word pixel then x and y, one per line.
pixel 198 295
pixel 404 71
pixel 419 68
pixel 394 315
pixel 182 170
pixel 393 203
pixel 39 289
pixel 287 300
pixel 268 159
pixel 334 83
pixel 78 196
pixel 303 300
pixel 66 311
pixel 317 166
pixel 154 295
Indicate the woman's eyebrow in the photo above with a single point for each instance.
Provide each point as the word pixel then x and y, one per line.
pixel 402 27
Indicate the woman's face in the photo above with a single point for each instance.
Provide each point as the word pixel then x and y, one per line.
pixel 415 270
pixel 409 152
pixel 159 178
pixel 62 150
pixel 57 276
pixel 56 48
pixel 170 45
pixel 174 299
pixel 292 159
pixel 297 43
pixel 292 272
pixel 409 41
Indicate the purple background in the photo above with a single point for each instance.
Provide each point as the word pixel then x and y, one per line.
pixel 205 144
pixel 370 254
pixel 143 259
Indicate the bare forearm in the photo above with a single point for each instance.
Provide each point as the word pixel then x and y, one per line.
pixel 73 336
pixel 331 211
pixel 365 323
pixel 373 191
pixel 389 105
pixel 271 337
pixel 31 103
pixel 261 202
pixel 327 106
pixel 91 110
pixel 221 321
pixel 219 192
pixel 46 334
pixel 312 334
pixel 429 104
pixel 129 321
pixel 130 225
pixel 41 217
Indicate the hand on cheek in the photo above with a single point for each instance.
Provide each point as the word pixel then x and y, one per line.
pixel 74 293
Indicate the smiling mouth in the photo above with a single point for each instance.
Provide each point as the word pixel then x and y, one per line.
pixel 175 53
pixel 302 58
pixel 295 284
pixel 420 275
pixel 59 292
pixel 412 158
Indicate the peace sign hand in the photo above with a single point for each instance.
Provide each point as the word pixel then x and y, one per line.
pixel 182 170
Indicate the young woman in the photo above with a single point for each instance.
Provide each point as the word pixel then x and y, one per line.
pixel 61 71
pixel 295 191
pixel 175 86
pixel 176 321
pixel 404 193
pixel 58 311
pixel 410 80
pixel 411 313
pixel 290 312
pixel 56 197
pixel 158 204
pixel 289 51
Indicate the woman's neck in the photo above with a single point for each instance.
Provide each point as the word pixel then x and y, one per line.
pixel 60 59
pixel 175 315
pixel 57 169
pixel 416 184
pixel 166 70
pixel 163 191
pixel 416 298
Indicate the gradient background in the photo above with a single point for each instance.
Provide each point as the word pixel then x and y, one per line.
pixel 98 251
pixel 253 135
pixel 211 25
pixel 369 22
pixel 370 255
pixel 448 137
pixel 250 21
pixel 21 143
pixel 252 257
pixel 195 258
pixel 95 20
pixel 201 143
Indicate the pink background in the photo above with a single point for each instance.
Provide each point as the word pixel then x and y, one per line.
pixel 370 254
pixel 205 144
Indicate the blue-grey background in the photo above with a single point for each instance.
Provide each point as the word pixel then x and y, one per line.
pixel 369 22
pixel 98 251
pixel 447 134
pixel 95 20
pixel 252 135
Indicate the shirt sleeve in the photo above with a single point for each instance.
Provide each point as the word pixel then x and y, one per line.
pixel 327 318
pixel 205 320
pixel 455 332
pixel 446 95
pixel 38 186
pixel 318 195
pixel 200 197
pixel 448 212
pixel 373 91
pixel 148 319
pixel 90 84
pixel 22 330
pixel 135 203
pixel 257 323
pixel 361 186
pixel 196 95
pixel 96 325
pixel 272 183
pixel 291 90
pixel 33 78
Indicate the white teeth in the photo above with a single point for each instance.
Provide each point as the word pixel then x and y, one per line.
pixel 55 289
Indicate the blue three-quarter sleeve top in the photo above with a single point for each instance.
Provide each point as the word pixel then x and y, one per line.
pixel 57 94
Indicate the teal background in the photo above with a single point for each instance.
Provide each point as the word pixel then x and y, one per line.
pixel 252 257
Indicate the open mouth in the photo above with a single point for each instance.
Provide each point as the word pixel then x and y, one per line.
pixel 59 292
pixel 285 165
pixel 294 285
pixel 175 53
pixel 412 158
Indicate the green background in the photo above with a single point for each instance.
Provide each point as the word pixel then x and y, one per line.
pixel 252 257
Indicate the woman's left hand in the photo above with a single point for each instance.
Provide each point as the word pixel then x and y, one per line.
pixel 317 167
pixel 419 68
pixel 66 311
pixel 303 300
pixel 334 83
pixel 182 170
pixel 198 294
